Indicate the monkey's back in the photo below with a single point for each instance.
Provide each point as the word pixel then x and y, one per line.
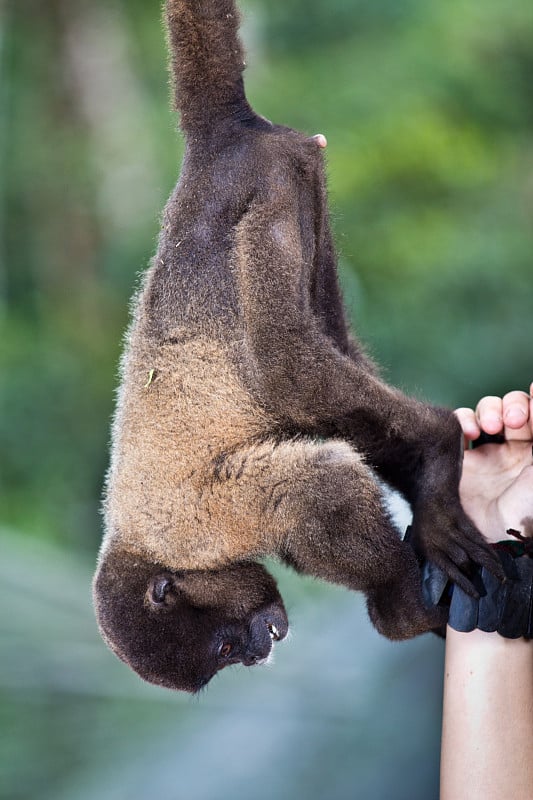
pixel 192 285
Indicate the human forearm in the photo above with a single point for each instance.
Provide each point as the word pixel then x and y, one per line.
pixel 487 737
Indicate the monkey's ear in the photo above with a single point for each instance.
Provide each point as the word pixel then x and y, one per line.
pixel 162 591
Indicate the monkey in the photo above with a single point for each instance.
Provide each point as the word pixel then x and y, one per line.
pixel 250 422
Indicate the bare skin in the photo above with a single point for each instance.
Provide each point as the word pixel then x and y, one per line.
pixel 487 737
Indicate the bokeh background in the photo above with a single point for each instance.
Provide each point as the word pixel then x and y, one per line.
pixel 428 110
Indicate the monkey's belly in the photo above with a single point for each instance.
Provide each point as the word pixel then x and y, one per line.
pixel 181 409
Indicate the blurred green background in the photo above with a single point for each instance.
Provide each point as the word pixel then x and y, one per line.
pixel 428 111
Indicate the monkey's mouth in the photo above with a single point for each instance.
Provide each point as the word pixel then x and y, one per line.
pixel 274 633
pixel 271 625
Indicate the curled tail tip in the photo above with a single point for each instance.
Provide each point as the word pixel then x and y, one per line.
pixel 207 59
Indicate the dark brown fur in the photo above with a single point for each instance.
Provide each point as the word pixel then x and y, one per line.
pixel 249 422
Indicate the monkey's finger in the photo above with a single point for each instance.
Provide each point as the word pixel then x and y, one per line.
pixel 486 557
pixel 479 552
pixel 517 416
pixel 456 576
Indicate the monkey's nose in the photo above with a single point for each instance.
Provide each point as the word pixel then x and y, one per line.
pixel 320 139
pixel 251 659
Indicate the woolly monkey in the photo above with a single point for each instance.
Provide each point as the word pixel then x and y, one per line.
pixel 249 421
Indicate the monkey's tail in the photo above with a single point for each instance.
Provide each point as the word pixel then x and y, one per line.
pixel 207 61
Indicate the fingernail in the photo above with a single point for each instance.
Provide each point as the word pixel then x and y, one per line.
pixel 321 140
pixel 515 413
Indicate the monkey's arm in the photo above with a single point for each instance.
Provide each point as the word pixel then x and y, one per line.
pixel 319 508
pixel 312 386
pixel 302 374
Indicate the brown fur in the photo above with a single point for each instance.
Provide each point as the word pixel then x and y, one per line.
pixel 249 419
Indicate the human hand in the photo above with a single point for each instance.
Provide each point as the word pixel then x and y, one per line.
pixel 497 482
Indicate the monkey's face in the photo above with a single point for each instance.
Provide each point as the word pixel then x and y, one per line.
pixel 178 629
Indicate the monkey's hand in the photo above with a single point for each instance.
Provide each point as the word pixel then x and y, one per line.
pixel 441 531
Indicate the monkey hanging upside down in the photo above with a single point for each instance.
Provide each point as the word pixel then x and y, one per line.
pixel 249 421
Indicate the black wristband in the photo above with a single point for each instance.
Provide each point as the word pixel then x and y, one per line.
pixel 505 607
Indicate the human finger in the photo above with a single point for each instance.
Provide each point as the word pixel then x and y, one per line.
pixel 320 139
pixel 516 415
pixel 489 414
pixel 469 424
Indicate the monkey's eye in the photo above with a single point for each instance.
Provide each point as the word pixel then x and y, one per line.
pixel 160 588
pixel 225 650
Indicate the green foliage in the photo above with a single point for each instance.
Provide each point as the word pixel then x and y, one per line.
pixel 302 24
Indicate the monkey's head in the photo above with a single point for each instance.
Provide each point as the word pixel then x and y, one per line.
pixel 177 629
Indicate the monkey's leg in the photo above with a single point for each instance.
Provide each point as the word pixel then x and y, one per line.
pixel 318 507
pixel 310 385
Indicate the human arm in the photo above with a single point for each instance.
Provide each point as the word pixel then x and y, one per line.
pixel 487 738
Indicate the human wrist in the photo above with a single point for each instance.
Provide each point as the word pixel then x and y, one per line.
pixel 495 527
pixel 494 523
